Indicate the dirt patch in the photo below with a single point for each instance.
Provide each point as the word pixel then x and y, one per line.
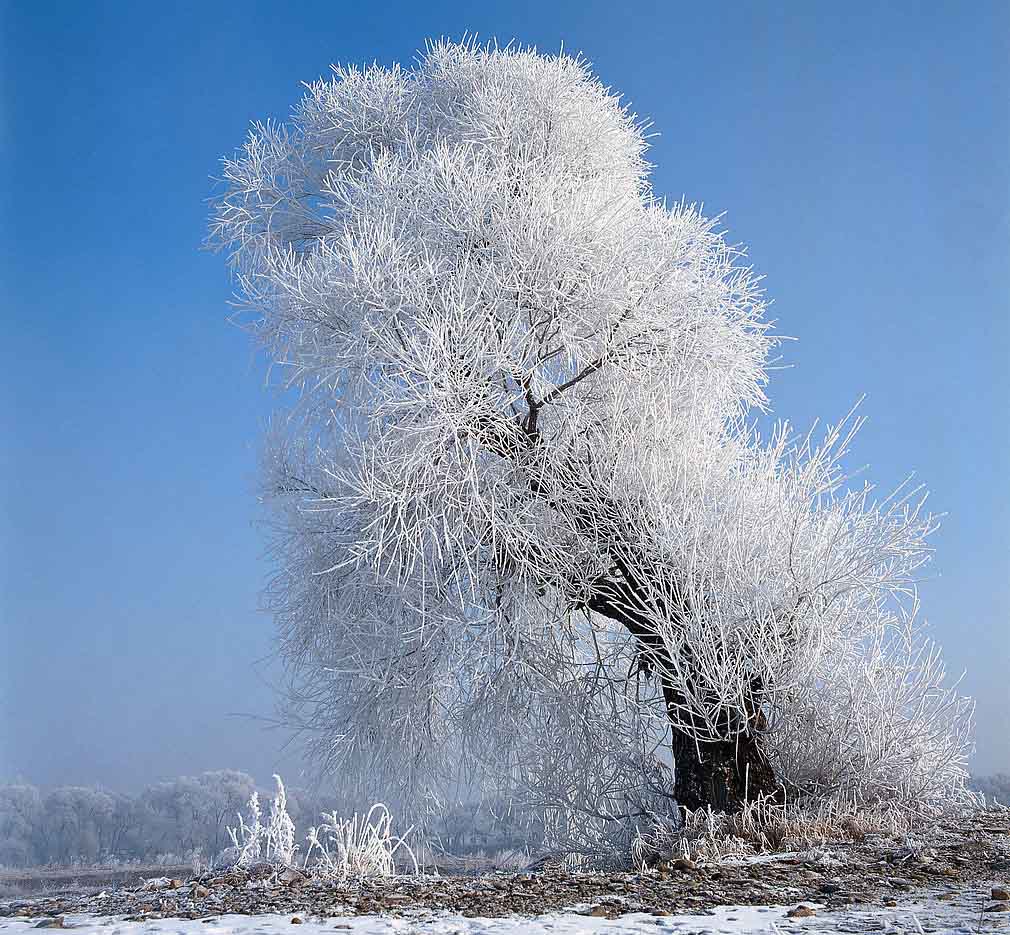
pixel 958 865
pixel 25 883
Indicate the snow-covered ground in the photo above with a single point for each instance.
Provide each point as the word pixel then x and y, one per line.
pixel 726 920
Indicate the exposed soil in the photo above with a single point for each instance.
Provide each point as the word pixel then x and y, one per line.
pixel 963 864
pixel 85 879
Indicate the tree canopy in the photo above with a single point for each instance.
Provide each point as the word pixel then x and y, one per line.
pixel 526 537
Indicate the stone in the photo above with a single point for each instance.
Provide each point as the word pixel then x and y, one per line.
pixel 54 923
pixel 296 920
pixel 1000 894
pixel 801 912
pixel 998 907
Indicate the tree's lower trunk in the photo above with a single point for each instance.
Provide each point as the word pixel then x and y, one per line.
pixel 721 773
pixel 724 774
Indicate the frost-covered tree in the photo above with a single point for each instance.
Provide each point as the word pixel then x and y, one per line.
pixel 20 824
pixel 526 541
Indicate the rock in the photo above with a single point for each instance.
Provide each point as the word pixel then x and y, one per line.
pixel 682 863
pixel 55 923
pixel 199 891
pixel 998 907
pixel 157 883
pixel 801 912
pixel 999 893
pixel 296 920
pixel 292 877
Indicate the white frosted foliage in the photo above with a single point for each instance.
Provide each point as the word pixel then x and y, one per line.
pixel 521 382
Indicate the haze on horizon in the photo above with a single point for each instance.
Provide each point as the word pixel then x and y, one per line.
pixel 862 154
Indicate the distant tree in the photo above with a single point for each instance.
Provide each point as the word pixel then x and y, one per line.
pixel 995 788
pixel 194 811
pixel 523 531
pixel 75 816
pixel 20 825
pixel 172 819
pixel 228 791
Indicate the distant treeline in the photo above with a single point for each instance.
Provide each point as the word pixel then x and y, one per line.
pixel 188 818
pixel 185 819
pixel 995 788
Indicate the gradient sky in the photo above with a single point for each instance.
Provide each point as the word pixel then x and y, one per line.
pixel 862 150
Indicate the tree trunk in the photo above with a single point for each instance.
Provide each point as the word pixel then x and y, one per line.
pixel 724 774
pixel 721 773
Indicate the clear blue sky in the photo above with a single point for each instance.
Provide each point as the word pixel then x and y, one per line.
pixel 860 149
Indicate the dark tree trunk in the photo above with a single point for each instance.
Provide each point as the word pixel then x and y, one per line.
pixel 723 774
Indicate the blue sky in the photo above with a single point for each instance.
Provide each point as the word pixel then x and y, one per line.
pixel 861 150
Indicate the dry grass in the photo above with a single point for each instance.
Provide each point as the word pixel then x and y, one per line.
pixel 766 826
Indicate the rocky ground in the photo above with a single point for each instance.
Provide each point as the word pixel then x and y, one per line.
pixel 961 872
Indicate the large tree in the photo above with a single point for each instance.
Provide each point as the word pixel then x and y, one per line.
pixel 524 534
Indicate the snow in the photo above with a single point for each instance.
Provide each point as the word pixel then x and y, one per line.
pixel 729 920
pixel 724 920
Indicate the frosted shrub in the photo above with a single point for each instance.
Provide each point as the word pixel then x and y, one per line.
pixel 338 848
pixel 274 841
pixel 280 836
pixel 361 846
pixel 247 839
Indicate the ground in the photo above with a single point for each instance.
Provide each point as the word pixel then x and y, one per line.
pixel 953 880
